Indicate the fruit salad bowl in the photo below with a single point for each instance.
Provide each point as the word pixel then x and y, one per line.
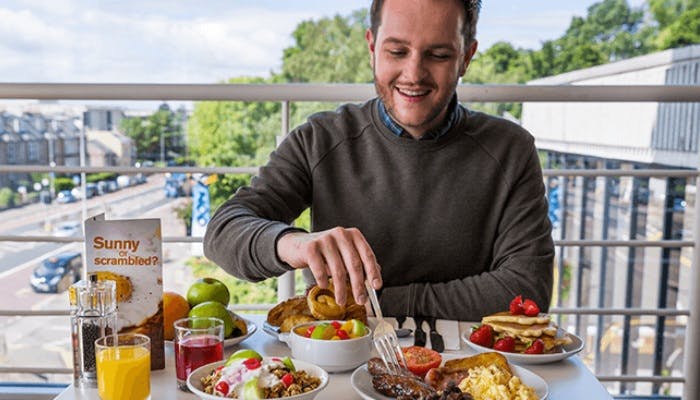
pixel 322 343
pixel 253 387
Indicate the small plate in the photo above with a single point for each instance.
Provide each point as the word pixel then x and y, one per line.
pixel 194 380
pixel 361 381
pixel 568 350
pixel 251 328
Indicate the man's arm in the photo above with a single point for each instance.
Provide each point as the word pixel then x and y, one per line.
pixel 523 254
pixel 249 236
pixel 242 234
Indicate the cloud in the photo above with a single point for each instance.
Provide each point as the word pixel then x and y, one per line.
pixel 99 45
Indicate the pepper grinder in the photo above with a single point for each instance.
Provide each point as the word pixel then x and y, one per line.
pixel 93 306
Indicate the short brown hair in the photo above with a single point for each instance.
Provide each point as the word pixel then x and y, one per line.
pixel 471 16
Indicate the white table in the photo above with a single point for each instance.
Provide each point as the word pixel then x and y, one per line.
pixel 567 380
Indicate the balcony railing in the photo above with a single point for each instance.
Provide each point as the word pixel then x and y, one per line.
pixel 338 93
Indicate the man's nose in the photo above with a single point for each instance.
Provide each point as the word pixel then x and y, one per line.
pixel 415 68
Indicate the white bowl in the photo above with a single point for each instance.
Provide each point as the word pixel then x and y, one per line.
pixel 194 381
pixel 331 355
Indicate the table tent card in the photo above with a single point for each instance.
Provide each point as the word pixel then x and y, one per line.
pixel 130 252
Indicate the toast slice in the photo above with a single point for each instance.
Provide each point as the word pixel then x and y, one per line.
pixel 480 360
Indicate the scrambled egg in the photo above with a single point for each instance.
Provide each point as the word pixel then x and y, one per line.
pixel 492 383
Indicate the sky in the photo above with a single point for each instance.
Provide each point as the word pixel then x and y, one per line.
pixel 206 41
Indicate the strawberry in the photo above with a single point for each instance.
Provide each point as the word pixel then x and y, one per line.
pixel 536 347
pixel 482 335
pixel 506 344
pixel 516 305
pixel 287 379
pixel 221 387
pixel 530 308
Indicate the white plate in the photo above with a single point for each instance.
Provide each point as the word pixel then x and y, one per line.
pixel 194 381
pixel 361 381
pixel 250 325
pixel 568 350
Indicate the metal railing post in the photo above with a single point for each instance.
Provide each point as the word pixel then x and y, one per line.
pixel 285 283
pixel 691 358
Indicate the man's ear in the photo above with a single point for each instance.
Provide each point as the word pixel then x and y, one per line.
pixel 369 37
pixel 468 57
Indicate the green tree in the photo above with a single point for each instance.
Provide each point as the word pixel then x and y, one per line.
pixel 147 133
pixel 329 50
pixel 684 31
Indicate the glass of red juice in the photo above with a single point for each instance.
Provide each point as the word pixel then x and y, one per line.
pixel 198 341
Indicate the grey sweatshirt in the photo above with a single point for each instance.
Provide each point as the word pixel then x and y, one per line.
pixel 459 224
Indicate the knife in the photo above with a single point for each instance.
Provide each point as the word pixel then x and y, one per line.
pixel 419 335
pixel 436 341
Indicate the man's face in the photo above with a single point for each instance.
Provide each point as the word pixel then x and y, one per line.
pixel 418 56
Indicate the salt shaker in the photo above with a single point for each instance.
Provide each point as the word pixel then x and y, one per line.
pixel 93 315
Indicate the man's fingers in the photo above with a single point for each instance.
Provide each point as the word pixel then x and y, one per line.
pixel 353 264
pixel 372 270
pixel 337 269
pixel 319 269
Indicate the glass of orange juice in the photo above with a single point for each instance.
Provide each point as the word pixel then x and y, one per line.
pixel 123 366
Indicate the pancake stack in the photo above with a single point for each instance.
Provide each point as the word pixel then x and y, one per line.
pixel 526 329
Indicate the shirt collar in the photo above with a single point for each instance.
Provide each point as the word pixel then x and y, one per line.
pixel 452 114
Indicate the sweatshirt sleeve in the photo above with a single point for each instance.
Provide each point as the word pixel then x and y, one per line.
pixel 522 263
pixel 241 237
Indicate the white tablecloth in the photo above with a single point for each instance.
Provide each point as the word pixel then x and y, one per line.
pixel 567 380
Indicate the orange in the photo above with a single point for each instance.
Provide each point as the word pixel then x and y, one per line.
pixel 175 307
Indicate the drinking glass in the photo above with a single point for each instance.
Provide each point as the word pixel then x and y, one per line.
pixel 123 366
pixel 198 341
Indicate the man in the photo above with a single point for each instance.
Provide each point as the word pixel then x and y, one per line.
pixel 448 201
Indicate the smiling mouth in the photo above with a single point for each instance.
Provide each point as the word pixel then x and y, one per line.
pixel 413 93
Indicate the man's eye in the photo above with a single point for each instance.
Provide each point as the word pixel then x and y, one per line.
pixel 440 56
pixel 397 53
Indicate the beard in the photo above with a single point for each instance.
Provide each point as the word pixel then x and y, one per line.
pixel 429 119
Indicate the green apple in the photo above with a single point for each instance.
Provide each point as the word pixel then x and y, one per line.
pixel 208 289
pixel 252 391
pixel 358 328
pixel 213 309
pixel 243 354
pixel 289 364
pixel 323 331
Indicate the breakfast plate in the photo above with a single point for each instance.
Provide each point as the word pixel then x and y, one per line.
pixel 568 350
pixel 250 327
pixel 361 381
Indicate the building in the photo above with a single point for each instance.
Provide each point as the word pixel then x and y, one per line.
pixel 624 136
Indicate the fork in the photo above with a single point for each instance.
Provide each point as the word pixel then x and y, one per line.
pixel 385 340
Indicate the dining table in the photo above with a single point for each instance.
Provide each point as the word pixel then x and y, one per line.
pixel 568 379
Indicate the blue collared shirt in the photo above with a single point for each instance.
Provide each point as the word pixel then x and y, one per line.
pixel 452 115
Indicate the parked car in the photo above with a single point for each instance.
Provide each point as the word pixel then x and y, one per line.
pixel 175 185
pixel 55 274
pixel 124 181
pixel 65 196
pixel 66 229
pixel 91 190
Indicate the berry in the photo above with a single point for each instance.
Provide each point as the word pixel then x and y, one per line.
pixel 483 336
pixel 506 344
pixel 336 324
pixel 252 363
pixel 342 335
pixel 516 305
pixel 287 379
pixel 536 347
pixel 530 308
pixel 222 387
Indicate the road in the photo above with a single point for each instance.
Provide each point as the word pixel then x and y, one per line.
pixel 37 219
pixel 45 341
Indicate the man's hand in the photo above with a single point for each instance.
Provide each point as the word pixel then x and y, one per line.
pixel 338 253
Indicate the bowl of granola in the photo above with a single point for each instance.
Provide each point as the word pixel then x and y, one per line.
pixel 246 375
